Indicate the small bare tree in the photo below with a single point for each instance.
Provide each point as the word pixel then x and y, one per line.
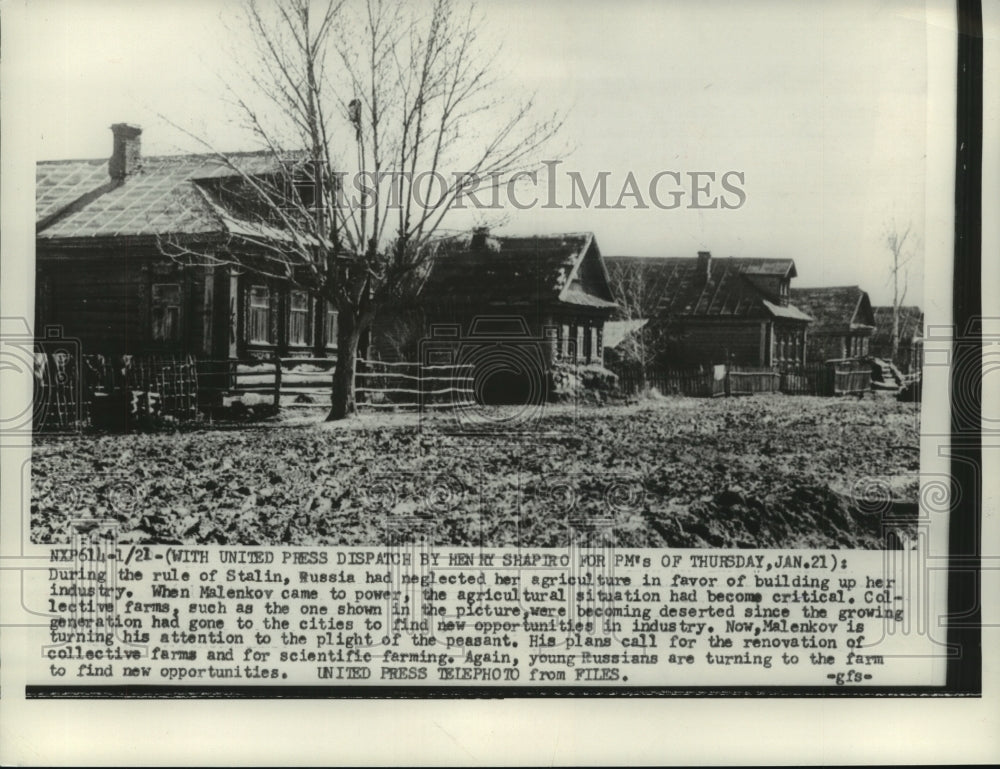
pixel 400 99
pixel 899 275
pixel 633 289
pixel 628 285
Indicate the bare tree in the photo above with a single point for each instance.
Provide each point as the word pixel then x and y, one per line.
pixel 899 274
pixel 628 285
pixel 647 344
pixel 398 98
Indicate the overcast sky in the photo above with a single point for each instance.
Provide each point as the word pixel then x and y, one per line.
pixel 821 106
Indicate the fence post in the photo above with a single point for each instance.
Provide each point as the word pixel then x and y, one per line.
pixel 277 382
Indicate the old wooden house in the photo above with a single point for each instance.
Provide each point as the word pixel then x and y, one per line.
pixel 706 310
pixel 515 308
pixel 101 272
pixel 550 287
pixel 843 321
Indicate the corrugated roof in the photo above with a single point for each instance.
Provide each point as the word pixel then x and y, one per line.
pixel 670 284
pixel 59 183
pixel 512 270
pixel 676 286
pixel 752 265
pixel 77 199
pixel 835 309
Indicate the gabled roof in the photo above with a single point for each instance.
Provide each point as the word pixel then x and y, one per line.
pixel 911 324
pixel 835 309
pixel 509 271
pixel 677 286
pixel 167 196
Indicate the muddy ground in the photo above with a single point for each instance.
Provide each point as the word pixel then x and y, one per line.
pixel 763 471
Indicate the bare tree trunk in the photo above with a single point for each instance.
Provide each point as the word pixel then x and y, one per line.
pixel 895 319
pixel 896 243
pixel 343 401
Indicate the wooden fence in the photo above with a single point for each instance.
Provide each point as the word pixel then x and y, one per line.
pixel 703 382
pixel 112 391
pixel 384 385
pixel 302 381
pixel 808 380
pixel 59 403
pixel 749 381
pixel 851 378
pixel 123 388
pixel 829 378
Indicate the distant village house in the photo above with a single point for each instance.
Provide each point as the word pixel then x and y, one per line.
pixel 843 321
pixel 708 310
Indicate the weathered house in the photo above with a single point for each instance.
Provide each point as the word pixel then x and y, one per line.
pixel 102 275
pixel 556 284
pixel 706 311
pixel 843 321
pixel 909 357
pixel 515 306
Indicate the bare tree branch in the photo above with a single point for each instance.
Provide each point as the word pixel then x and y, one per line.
pixel 410 92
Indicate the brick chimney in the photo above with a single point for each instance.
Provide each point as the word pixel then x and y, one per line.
pixel 126 157
pixel 705 264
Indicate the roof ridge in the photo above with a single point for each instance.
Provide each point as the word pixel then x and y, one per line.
pixel 714 258
pixel 826 288
pixel 179 156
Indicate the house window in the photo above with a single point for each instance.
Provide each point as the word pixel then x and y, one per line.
pixel 331 325
pixel 588 343
pixel 166 312
pixel 299 330
pixel 565 331
pixel 260 314
pixel 599 343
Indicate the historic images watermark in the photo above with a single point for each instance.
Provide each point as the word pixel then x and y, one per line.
pixel 552 188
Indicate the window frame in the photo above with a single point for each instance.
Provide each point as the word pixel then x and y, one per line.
pixel 330 328
pixel 303 314
pixel 160 307
pixel 253 312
